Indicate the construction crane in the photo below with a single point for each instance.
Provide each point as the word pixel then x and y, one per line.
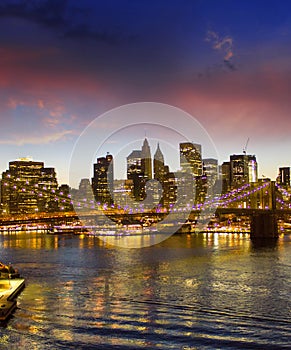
pixel 246 146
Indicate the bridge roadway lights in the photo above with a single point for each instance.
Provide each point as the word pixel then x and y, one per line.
pixel 264 225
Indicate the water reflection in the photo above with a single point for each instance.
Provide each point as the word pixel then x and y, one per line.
pixel 208 290
pixel 36 240
pixel 32 240
pixel 262 243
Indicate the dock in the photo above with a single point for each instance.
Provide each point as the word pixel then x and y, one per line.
pixel 9 289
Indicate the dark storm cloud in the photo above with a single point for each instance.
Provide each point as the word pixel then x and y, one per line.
pixel 111 20
pixel 68 19
pixel 85 32
pixel 50 13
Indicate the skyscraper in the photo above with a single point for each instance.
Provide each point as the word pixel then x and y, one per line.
pixel 133 162
pixel 146 160
pixel 159 175
pixel 243 169
pixel 27 187
pixel 64 192
pixel 191 168
pixel 102 181
pixel 139 170
pixel 167 190
pixel 284 177
pixel 252 168
pixel 135 174
pixel 210 170
pixel 48 182
pixel 190 158
pixel 225 176
pixel 159 165
pixel 84 194
pixel 170 188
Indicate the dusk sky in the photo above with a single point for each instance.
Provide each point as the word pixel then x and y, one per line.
pixel 227 63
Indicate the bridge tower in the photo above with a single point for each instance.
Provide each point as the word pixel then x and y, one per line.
pixel 264 222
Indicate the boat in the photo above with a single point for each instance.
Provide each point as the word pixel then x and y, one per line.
pixel 129 230
pixel 8 272
pixel 67 229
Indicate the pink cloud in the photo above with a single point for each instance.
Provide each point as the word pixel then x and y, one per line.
pixel 28 119
pixel 35 140
pixel 240 103
pixel 40 104
pixel 224 44
pixel 43 71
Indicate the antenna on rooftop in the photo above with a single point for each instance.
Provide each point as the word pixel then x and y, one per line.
pixel 246 146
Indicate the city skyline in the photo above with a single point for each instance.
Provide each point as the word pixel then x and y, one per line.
pixel 178 166
pixel 182 163
pixel 30 187
pixel 173 163
pixel 65 63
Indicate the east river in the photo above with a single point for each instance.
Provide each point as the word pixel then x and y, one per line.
pixel 205 291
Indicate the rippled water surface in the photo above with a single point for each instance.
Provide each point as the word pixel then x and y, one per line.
pixel 189 292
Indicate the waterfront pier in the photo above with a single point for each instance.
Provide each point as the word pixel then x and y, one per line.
pixel 9 289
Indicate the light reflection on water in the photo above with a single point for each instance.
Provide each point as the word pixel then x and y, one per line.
pixel 203 291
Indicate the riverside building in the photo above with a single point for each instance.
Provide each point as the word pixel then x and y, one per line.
pixel 28 187
pixel 102 181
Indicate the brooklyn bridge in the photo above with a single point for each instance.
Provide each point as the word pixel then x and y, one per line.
pixel 262 209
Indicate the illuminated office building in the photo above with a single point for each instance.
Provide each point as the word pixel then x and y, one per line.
pixel 225 176
pixel 139 171
pixel 170 189
pixel 159 165
pixel 102 180
pixel 122 192
pixel 159 175
pixel 252 168
pixel 146 160
pixel 28 187
pixel 202 188
pixel 191 168
pixel 65 202
pixel 210 171
pixel 190 158
pixel 284 177
pixel 167 191
pixel 210 168
pixel 135 175
pixel 243 169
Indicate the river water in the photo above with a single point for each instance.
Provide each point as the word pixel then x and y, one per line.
pixel 205 291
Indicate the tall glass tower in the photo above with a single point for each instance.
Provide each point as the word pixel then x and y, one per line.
pixel 243 169
pixel 102 181
pixel 190 158
pixel 146 160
